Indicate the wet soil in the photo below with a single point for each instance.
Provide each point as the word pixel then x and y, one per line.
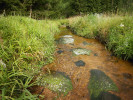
pixel 118 70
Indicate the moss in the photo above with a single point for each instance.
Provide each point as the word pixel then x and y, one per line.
pixel 81 51
pixel 66 40
pixel 100 82
pixel 57 82
pixel 105 96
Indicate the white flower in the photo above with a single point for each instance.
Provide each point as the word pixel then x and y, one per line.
pixel 121 25
pixel 2 63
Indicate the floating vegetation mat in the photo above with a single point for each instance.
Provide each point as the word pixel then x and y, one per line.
pixel 99 83
pixel 81 51
pixel 57 81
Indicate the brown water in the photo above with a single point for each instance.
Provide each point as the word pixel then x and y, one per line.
pixel 119 71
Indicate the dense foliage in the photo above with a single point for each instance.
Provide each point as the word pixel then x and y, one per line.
pixel 63 8
pixel 116 32
pixel 26 45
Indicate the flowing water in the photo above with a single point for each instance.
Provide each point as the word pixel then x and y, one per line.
pixel 96 76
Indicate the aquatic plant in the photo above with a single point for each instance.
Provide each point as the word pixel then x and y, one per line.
pixel 66 40
pixel 81 51
pixel 57 82
pixel 105 96
pixel 100 82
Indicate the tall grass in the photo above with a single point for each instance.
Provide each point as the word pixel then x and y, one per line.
pixel 26 46
pixel 120 39
pixel 115 31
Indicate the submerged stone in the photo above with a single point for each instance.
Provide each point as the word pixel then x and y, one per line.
pixel 67 36
pixel 58 82
pixel 60 51
pixel 95 54
pixel 66 40
pixel 72 44
pixel 86 43
pixel 105 96
pixel 127 75
pixel 81 51
pixel 100 82
pixel 79 63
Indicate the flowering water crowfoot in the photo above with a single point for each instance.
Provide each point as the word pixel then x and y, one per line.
pixel 66 40
pixel 57 82
pixel 81 51
pixel 100 82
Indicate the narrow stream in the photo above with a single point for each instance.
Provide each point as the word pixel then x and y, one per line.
pixel 95 75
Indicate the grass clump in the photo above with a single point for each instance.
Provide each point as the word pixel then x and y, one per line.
pixel 115 31
pixel 26 45
pixel 120 39
pixel 83 26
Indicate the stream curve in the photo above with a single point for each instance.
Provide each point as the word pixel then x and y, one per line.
pixel 80 69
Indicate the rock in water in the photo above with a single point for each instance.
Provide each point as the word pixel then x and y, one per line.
pixel 106 96
pixel 99 83
pixel 66 40
pixel 80 63
pixel 60 51
pixel 86 43
pixel 127 76
pixel 81 51
pixel 67 36
pixel 95 54
pixel 58 82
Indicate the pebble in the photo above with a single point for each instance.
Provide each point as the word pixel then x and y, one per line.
pixel 60 51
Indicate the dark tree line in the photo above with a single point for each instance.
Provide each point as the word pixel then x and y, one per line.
pixel 62 8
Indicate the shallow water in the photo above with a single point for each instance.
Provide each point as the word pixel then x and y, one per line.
pixel 120 71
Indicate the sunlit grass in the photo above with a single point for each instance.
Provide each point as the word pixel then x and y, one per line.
pixel 26 46
pixel 115 31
